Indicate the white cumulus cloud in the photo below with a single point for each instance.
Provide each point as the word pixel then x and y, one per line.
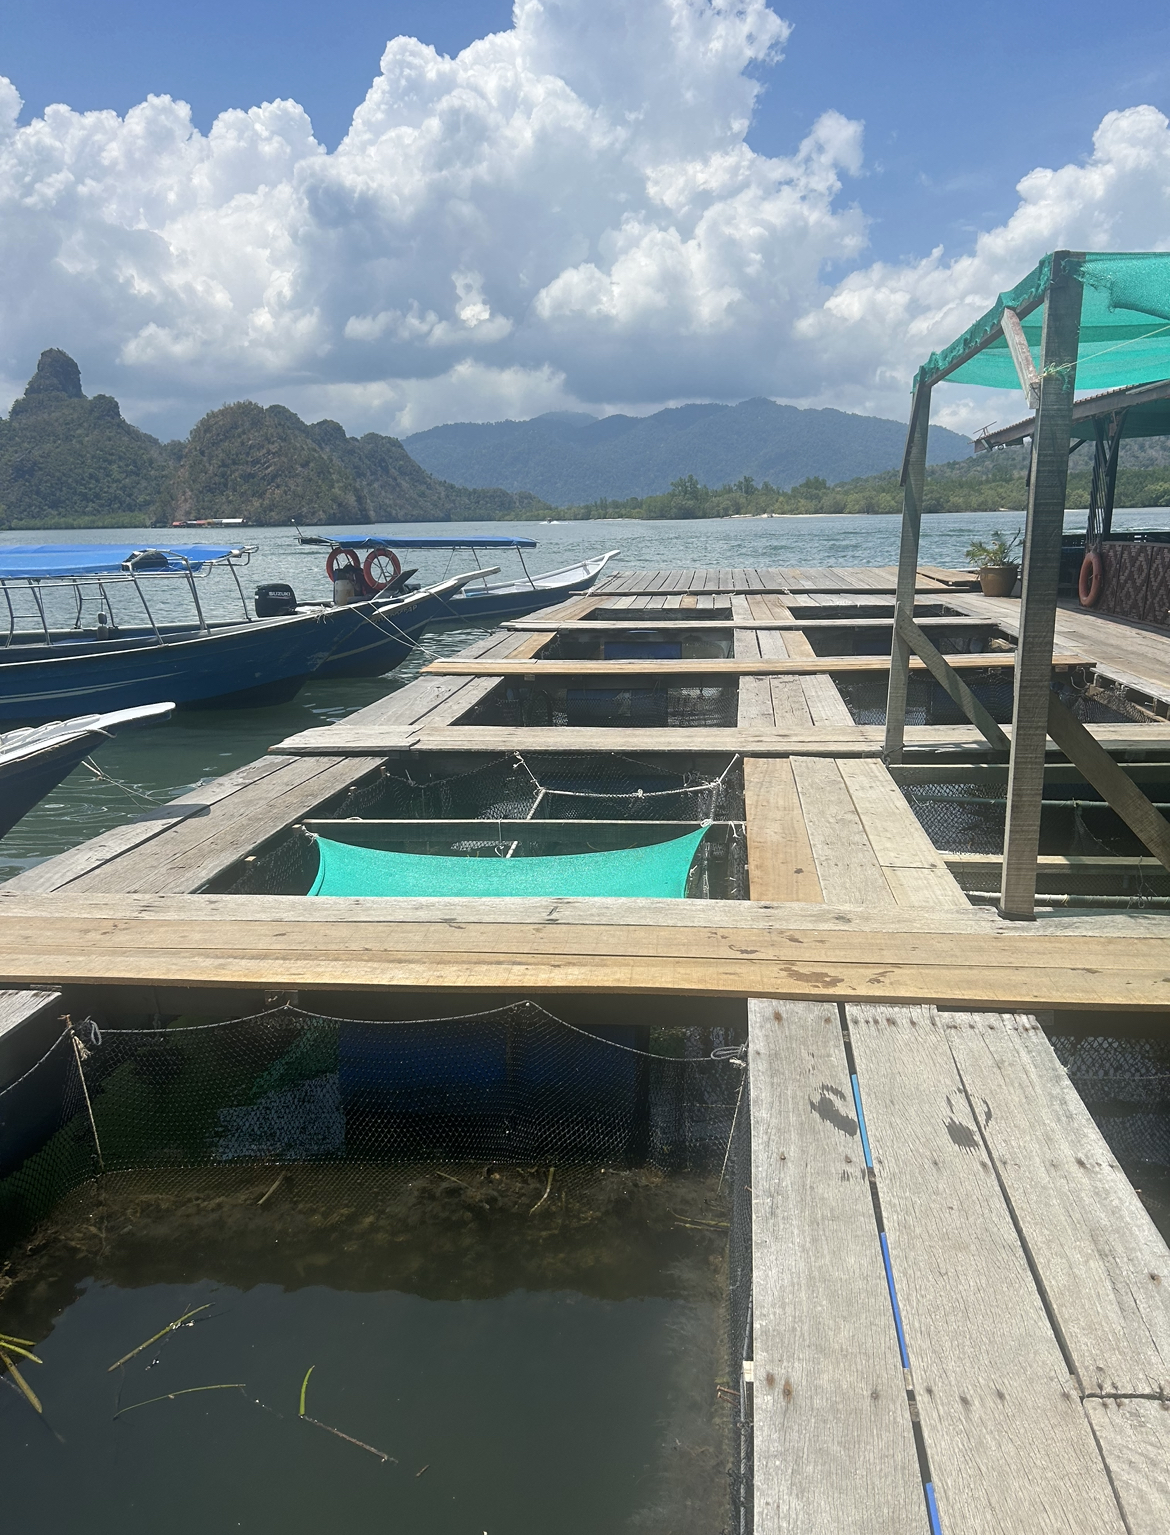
pixel 567 213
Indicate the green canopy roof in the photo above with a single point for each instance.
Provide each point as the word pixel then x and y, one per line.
pixel 1125 325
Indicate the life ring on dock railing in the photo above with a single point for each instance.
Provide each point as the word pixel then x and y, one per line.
pixel 1091 580
pixel 372 569
pixel 352 559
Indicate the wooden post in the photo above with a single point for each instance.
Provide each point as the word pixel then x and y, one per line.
pixel 1042 540
pixel 913 481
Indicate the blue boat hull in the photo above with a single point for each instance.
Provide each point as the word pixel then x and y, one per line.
pixel 476 607
pixel 233 666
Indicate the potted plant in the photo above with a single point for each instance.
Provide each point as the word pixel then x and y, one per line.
pixel 994 565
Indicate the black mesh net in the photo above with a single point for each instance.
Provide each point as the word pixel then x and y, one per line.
pixel 366 1108
pixel 1124 1082
pixel 656 705
pixel 452 1158
pixel 620 793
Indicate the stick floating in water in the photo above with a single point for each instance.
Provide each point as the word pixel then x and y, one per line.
pixel 34 1400
pixel 169 1396
pixel 349 1439
pixel 170 1327
pixel 304 1387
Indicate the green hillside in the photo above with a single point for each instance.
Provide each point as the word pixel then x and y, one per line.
pixel 71 462
pixel 984 483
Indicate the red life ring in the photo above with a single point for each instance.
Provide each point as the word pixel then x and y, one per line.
pixel 1092 578
pixel 373 581
pixel 352 561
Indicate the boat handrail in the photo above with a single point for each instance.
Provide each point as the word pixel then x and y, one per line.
pixel 133 573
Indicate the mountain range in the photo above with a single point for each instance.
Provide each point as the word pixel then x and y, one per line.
pixel 68 461
pixel 571 458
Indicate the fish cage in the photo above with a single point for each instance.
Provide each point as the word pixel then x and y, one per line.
pixel 518 806
pixel 200 1213
pixel 641 644
pixel 649 703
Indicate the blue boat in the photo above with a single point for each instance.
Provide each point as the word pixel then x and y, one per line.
pixel 35 760
pixel 474 602
pixel 101 627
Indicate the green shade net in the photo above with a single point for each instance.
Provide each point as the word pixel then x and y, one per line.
pixel 1125 325
pixel 659 870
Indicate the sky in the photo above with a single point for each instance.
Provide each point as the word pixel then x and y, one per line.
pixel 403 214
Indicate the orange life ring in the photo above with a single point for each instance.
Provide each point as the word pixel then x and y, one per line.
pixel 1091 579
pixel 353 562
pixel 375 582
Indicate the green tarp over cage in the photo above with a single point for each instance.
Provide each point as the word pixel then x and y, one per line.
pixel 1125 325
pixel 658 870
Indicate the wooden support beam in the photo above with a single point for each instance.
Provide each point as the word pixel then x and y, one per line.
pixel 957 957
pixel 1122 794
pixel 913 482
pixel 1042 544
pixel 947 677
pixel 619 672
pixel 1017 345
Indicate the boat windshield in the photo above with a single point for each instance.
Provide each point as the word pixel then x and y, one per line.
pixel 63 593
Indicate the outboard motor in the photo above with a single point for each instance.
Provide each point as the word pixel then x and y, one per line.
pixel 275 599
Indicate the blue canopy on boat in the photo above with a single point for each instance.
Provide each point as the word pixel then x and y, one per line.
pixel 39 562
pixel 393 541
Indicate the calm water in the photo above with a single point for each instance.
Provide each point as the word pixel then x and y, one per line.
pixel 158 763
pixel 537 1383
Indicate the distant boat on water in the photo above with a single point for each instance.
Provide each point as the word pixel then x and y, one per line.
pixel 474 602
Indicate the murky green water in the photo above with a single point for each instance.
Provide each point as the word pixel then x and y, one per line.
pixel 523 1373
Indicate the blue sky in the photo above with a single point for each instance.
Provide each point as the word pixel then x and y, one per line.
pixel 955 106
pixel 935 113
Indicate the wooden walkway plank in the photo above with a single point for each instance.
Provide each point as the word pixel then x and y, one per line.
pixel 781 866
pixel 915 871
pixel 791 665
pixel 1102 1266
pixel 1134 1439
pixel 356 739
pixel 834 1448
pixel 846 865
pixel 707 948
pixel 1009 1445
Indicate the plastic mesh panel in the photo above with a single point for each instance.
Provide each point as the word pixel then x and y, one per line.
pixel 515 1085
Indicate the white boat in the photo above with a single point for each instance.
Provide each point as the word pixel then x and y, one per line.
pixel 35 760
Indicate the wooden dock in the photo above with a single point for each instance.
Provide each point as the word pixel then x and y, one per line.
pixel 960 1303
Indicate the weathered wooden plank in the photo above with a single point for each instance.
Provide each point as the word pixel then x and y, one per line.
pixel 56 873
pixel 1110 781
pixel 834 1449
pixel 200 848
pixel 803 952
pixel 846 865
pixel 780 857
pixel 1134 1438
pixel 754 705
pixel 827 625
pixel 1009 1446
pixel 914 869
pixel 351 738
pixel 796 666
pixel 1044 531
pixel 1102 1267
pixel 913 483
